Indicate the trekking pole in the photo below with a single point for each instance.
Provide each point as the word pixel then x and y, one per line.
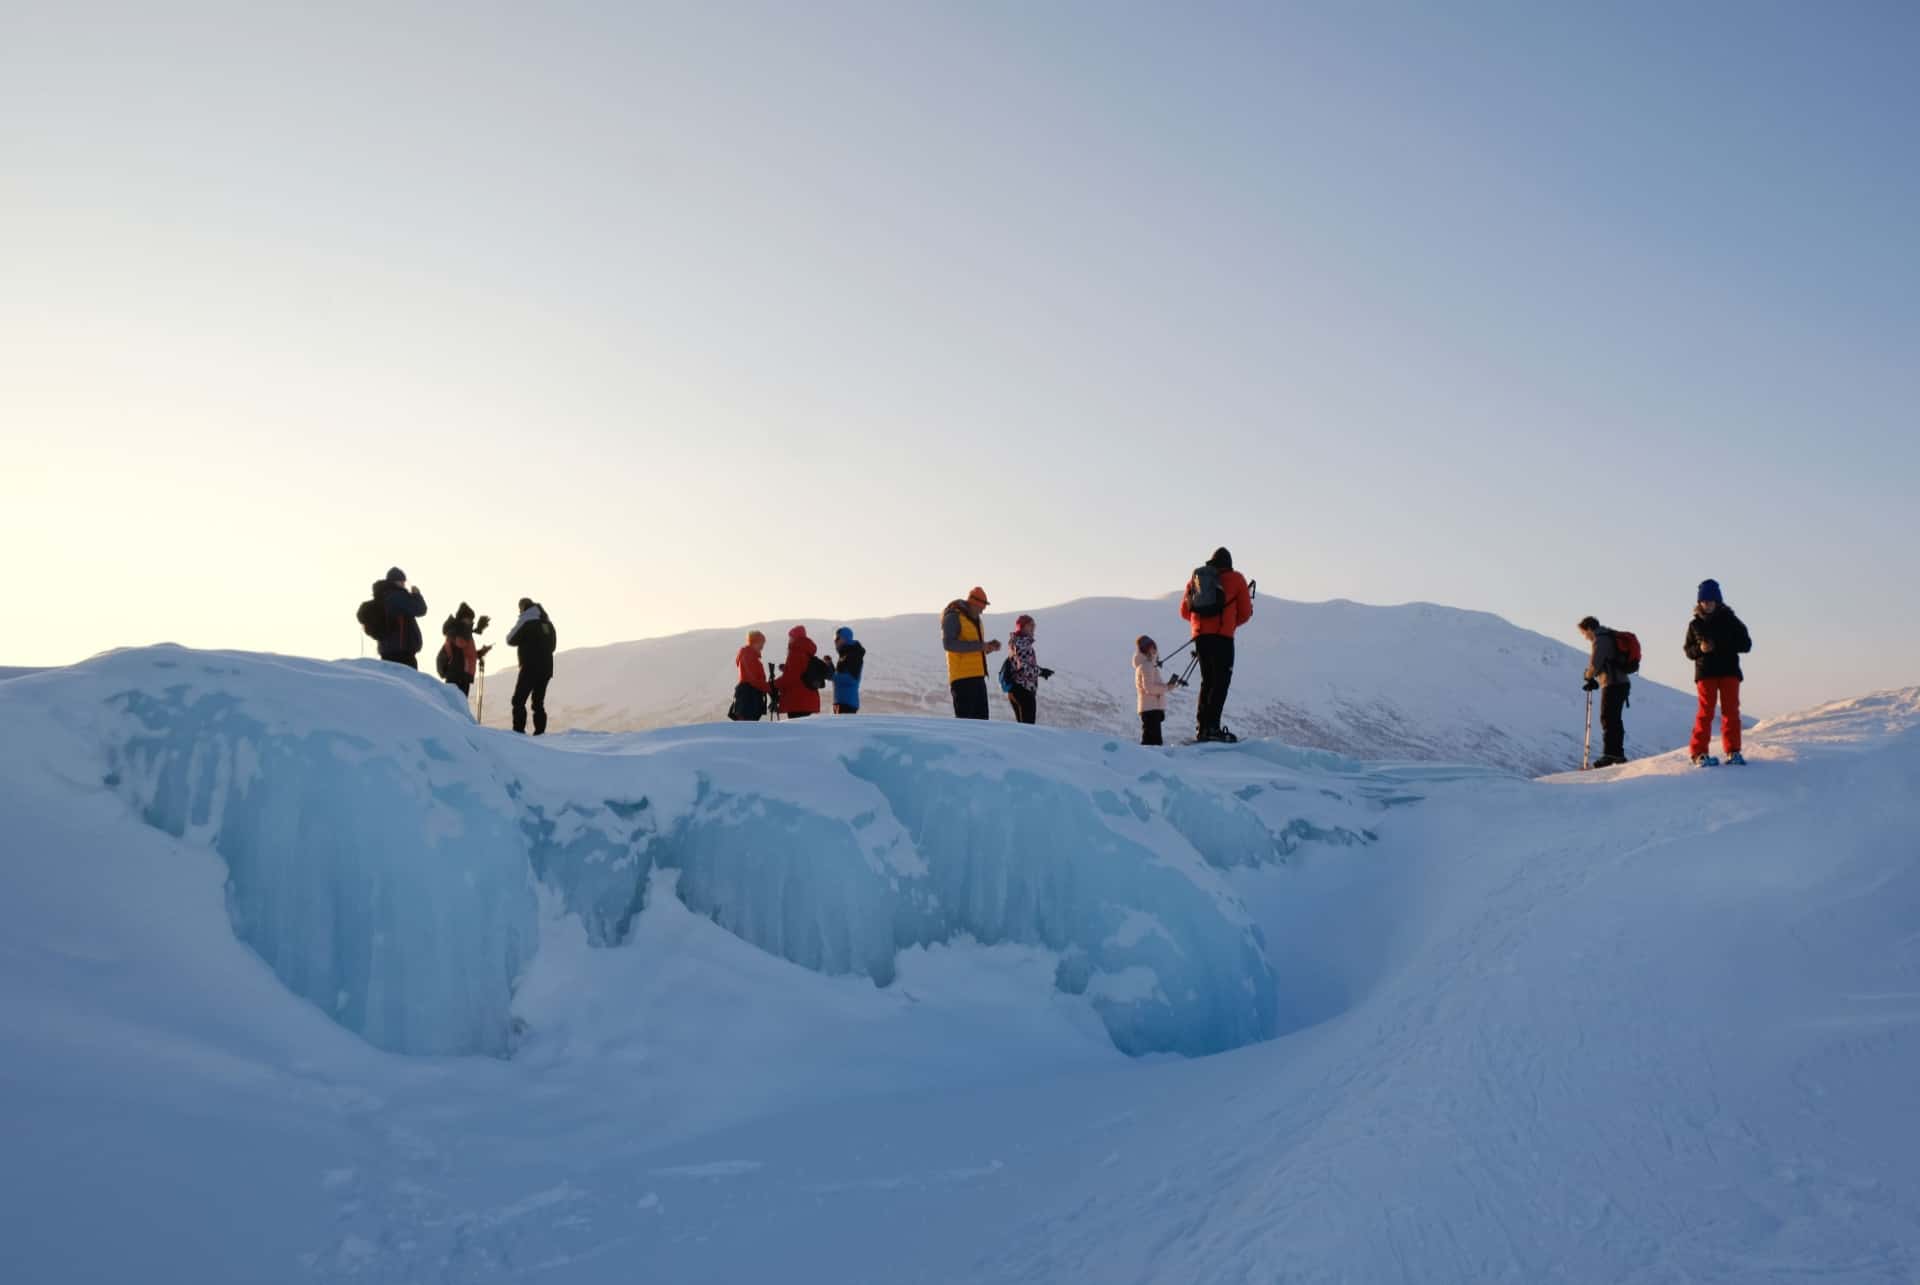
pixel 1586 750
pixel 481 717
pixel 1176 651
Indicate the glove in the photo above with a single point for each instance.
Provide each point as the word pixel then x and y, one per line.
pixel 1046 673
pixel 1591 685
pixel 482 653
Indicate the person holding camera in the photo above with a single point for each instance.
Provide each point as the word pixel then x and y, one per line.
pixel 1150 689
pixel 535 638
pixel 459 659
pixel 391 618
pixel 967 646
pixel 1218 601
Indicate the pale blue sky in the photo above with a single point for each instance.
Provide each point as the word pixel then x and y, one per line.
pixel 677 316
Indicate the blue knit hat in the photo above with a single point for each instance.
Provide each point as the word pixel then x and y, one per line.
pixel 1709 592
pixel 843 635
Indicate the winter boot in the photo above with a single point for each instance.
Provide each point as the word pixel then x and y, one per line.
pixel 1223 735
pixel 1705 760
pixel 1736 759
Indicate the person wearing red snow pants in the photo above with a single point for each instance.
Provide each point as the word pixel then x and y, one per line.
pixel 1716 639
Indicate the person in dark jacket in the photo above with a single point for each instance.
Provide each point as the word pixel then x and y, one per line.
pixel 535 638
pixel 850 659
pixel 1213 643
pixel 460 658
pixel 1607 674
pixel 402 605
pixel 797 700
pixel 1716 639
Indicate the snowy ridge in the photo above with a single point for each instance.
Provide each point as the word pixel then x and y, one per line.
pixel 1417 682
pixel 1646 1023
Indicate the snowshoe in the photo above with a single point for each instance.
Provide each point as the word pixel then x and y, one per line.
pixel 1705 760
pixel 1736 759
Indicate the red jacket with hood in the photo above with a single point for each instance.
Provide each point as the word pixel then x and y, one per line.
pixel 795 696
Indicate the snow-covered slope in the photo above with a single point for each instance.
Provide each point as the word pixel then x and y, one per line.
pixel 1418 682
pixel 1648 1023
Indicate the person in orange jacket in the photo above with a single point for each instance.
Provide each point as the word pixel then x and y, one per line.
pixel 797 699
pixel 1218 601
pixel 751 691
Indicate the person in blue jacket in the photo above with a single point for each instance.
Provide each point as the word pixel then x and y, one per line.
pixel 402 606
pixel 851 658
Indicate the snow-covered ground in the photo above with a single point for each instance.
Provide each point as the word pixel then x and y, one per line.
pixel 309 978
pixel 1419 682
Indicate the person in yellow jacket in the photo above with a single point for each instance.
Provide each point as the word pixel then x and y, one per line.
pixel 968 647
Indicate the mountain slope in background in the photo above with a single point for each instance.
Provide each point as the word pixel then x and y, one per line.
pixel 1419 682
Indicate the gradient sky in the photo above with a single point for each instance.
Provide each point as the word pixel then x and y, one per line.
pixel 686 315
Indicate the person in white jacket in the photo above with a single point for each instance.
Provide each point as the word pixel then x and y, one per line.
pixel 1150 688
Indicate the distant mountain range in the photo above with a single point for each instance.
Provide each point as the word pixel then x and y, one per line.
pixel 1419 681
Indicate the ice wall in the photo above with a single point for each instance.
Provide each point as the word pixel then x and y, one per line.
pixel 383 851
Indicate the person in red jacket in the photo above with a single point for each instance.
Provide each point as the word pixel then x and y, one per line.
pixel 1218 601
pixel 751 692
pixel 797 700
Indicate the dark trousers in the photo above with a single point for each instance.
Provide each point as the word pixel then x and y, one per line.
pixel 408 661
pixel 464 682
pixel 1613 728
pixel 531 686
pixel 749 704
pixel 969 697
pixel 1150 720
pixel 1026 703
pixel 1216 675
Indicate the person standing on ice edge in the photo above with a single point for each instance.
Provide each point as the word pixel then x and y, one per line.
pixel 850 660
pixel 1023 682
pixel 1150 688
pixel 459 658
pixel 534 637
pixel 967 648
pixel 1716 639
pixel 1218 600
pixel 799 689
pixel 399 607
pixel 751 691
pixel 1607 670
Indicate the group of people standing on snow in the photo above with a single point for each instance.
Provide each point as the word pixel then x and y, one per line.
pixel 793 689
pixel 1716 639
pixel 391 617
pixel 1217 601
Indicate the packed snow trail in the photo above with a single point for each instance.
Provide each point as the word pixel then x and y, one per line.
pixel 1645 1023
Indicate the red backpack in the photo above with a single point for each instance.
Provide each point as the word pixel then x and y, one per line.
pixel 1627 647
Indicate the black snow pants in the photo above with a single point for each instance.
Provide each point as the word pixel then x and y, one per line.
pixel 1216 675
pixel 969 697
pixel 1026 703
pixel 1613 727
pixel 531 686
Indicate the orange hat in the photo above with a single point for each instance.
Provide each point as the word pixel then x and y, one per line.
pixel 981 594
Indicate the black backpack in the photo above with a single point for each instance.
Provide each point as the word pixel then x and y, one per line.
pixel 446 664
pixel 373 618
pixel 1205 595
pixel 817 673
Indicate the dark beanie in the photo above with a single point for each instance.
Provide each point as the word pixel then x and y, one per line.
pixel 1221 560
pixel 1586 623
pixel 464 610
pixel 396 576
pixel 1709 592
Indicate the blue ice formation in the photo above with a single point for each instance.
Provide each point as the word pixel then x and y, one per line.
pixel 383 852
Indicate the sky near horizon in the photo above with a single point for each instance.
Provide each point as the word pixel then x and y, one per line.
pixel 676 316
